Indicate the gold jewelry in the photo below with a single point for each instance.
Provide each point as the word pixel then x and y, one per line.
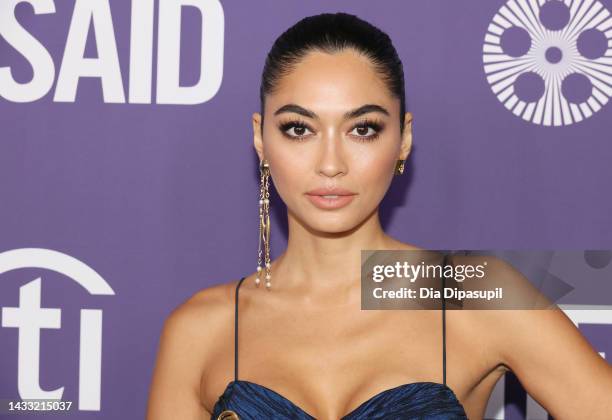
pixel 399 167
pixel 228 415
pixel 264 225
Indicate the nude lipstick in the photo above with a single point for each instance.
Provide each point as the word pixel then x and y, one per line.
pixel 330 198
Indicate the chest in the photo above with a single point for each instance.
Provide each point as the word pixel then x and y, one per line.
pixel 340 345
pixel 334 357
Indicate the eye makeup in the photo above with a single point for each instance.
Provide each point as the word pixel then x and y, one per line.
pixel 364 130
pixel 299 128
pixel 372 128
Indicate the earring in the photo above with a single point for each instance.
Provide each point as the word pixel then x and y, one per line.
pixel 264 225
pixel 399 166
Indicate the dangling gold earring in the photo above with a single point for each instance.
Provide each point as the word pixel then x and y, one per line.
pixel 264 225
pixel 399 166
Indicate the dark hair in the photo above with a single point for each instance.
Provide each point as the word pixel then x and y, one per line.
pixel 330 33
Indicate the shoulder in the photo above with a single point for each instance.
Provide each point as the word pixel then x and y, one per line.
pixel 201 325
pixel 207 312
pixel 519 300
pixel 525 322
pixel 474 272
pixel 191 334
pixel 505 327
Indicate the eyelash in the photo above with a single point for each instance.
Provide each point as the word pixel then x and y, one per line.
pixel 365 123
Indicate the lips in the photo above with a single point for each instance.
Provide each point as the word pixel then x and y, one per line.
pixel 330 191
pixel 330 198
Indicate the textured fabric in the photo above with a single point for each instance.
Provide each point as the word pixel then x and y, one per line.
pixel 418 400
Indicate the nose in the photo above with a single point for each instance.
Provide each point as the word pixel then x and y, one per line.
pixel 332 160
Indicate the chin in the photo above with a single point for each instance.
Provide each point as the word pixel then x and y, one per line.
pixel 332 223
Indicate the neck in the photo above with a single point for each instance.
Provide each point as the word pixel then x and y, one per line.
pixel 322 264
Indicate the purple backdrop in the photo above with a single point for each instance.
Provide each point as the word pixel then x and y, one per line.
pixel 161 199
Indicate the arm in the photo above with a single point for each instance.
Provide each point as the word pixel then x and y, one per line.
pixel 174 391
pixel 555 364
pixel 182 354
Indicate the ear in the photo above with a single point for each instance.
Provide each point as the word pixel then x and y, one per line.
pixel 257 137
pixel 406 136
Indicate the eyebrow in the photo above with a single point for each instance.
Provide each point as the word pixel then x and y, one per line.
pixel 364 109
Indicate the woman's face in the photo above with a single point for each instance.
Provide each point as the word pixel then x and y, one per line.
pixel 332 123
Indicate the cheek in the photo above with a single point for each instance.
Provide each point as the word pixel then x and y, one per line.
pixel 285 177
pixel 288 168
pixel 374 169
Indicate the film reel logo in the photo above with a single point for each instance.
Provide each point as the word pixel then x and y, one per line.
pixel 550 61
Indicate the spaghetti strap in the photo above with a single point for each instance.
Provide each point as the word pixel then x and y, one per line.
pixel 246 399
pixel 443 323
pixel 236 330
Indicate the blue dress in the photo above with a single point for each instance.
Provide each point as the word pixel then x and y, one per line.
pixel 417 400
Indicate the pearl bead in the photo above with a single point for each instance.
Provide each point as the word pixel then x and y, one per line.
pixel 268 284
pixel 268 265
pixel 258 268
pixel 268 277
pixel 257 280
pixel 260 202
pixel 266 201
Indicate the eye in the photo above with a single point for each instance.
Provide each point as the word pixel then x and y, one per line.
pixel 363 131
pixel 297 130
pixel 366 130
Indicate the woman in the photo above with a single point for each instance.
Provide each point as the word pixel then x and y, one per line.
pixel 332 133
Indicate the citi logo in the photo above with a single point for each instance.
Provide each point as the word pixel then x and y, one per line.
pixel 549 62
pixel 29 318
